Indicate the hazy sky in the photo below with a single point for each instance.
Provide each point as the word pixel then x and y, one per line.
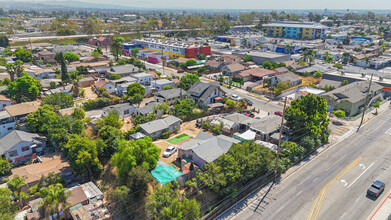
pixel 254 4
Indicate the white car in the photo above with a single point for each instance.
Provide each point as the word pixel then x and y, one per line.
pixel 169 151
pixel 234 97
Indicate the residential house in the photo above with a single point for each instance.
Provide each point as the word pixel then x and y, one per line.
pixel 161 83
pixel 205 148
pixel 260 57
pixel 148 109
pixel 214 64
pixel 7 123
pixel 154 129
pixel 266 127
pixel 351 98
pixel 46 83
pixel 154 75
pixel 256 74
pixel 229 59
pixel 110 88
pixel 5 101
pixel 34 172
pixel 169 96
pixel 205 93
pixel 19 146
pixel 21 110
pixel 63 49
pixel 46 56
pixel 45 74
pixel 123 70
pixel 290 78
pixel 232 69
pixel 328 82
pixel 122 84
pixel 86 82
pixel 124 110
pixel 100 41
pixel 143 78
pixel 281 70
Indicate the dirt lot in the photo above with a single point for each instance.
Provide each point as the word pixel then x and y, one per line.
pixel 307 81
pixel 162 144
pixel 89 94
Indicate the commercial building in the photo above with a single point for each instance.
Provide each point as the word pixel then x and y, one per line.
pixel 260 57
pixel 174 49
pixel 297 30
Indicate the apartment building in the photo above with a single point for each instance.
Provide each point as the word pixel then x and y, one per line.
pixel 296 30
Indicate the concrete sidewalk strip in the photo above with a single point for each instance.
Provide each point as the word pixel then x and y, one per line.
pixel 383 210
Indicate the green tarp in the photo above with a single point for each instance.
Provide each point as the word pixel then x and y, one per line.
pixel 165 174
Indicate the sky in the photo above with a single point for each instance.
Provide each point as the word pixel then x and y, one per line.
pixel 253 4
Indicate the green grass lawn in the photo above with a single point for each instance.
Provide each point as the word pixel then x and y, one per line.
pixel 179 138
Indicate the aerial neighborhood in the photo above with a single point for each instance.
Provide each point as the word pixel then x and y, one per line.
pixel 177 115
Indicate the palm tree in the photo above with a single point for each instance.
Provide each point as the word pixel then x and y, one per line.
pixel 15 185
pixel 14 69
pixel 54 196
pixel 367 60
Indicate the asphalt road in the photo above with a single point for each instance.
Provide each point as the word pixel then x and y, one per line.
pixel 332 185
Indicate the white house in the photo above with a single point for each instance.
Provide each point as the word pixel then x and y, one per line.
pixel 205 93
pixel 5 101
pixel 143 78
pixel 19 146
pixel 161 83
pixel 7 123
pixel 110 88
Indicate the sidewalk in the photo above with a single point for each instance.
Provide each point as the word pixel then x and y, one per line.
pixel 383 210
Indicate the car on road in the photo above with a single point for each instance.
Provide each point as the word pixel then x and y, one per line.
pixel 376 189
pixel 279 113
pixel 169 151
pixel 250 115
pixel 234 97
pixel 180 71
pixel 249 102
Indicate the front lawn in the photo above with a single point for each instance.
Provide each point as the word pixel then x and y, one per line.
pixel 179 138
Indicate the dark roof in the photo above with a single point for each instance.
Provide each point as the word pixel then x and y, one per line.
pixel 17 136
pixel 170 93
pixel 123 69
pixel 236 67
pixel 202 88
pixel 213 63
pixel 147 109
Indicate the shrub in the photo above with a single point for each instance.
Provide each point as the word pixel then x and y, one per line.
pixel 165 135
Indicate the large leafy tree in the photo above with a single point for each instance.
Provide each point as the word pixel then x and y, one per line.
pixel 133 153
pixel 78 113
pixel 24 89
pixel 307 116
pixel 16 184
pixel 60 100
pixel 112 119
pixel 83 156
pixel 167 203
pixel 24 55
pixel 64 72
pixel 71 57
pixel 184 109
pixel 111 136
pixel 7 207
pixel 4 42
pixel 116 46
pixel 54 196
pixel 136 93
pixel 14 69
pixel 5 167
pixel 187 81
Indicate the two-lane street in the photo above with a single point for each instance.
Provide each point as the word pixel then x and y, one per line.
pixel 333 185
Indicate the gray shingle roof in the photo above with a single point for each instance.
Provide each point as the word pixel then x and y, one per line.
pixel 16 136
pixel 329 82
pixel 170 93
pixel 209 147
pixel 124 69
pixel 148 108
pixel 160 124
pixel 288 77
pixel 118 107
pixel 267 124
pixel 353 92
pixel 202 88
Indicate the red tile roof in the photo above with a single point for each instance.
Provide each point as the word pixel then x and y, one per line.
pixel 100 83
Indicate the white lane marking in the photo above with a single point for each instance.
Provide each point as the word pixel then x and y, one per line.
pixel 358 198
pixel 314 180
pixel 378 177
pixel 360 175
pixel 344 214
pixel 344 182
pixel 388 131
pixel 299 193
pixel 280 208
pixel 362 166
pixel 337 161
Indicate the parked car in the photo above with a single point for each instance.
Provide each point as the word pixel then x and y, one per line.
pixel 249 102
pixel 169 151
pixel 234 97
pixel 279 113
pixel 181 71
pixel 376 189
pixel 250 115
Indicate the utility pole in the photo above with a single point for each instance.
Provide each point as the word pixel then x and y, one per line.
pixel 365 103
pixel 279 141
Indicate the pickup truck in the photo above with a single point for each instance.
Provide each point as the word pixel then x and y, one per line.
pixel 375 189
